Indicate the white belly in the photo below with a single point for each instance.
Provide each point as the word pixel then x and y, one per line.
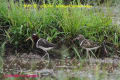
pixel 45 49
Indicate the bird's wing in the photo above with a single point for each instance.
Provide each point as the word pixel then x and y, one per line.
pixel 44 43
pixel 88 44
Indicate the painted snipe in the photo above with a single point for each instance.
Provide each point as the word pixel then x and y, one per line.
pixel 86 44
pixel 43 44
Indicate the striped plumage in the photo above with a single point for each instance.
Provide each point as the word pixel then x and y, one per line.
pixel 85 43
pixel 42 43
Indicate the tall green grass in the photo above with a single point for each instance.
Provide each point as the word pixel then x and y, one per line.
pixel 3 12
pixel 49 23
pixel 89 22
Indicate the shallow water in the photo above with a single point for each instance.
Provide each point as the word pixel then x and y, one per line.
pixel 86 69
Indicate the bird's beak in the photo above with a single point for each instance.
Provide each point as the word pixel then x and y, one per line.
pixel 29 38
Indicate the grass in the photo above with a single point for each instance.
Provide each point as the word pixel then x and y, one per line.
pixel 54 22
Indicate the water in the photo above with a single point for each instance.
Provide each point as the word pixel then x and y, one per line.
pixel 86 69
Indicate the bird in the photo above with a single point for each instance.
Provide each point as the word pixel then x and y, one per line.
pixel 86 44
pixel 43 44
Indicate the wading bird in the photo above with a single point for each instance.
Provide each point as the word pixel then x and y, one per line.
pixel 42 44
pixel 86 44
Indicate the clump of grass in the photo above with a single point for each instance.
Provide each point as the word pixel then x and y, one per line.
pixel 2 49
pixel 51 22
pixel 88 22
pixel 3 12
pixel 24 22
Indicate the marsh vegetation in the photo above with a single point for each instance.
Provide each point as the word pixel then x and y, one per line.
pixel 60 23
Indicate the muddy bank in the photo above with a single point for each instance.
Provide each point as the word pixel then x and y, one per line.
pixel 71 68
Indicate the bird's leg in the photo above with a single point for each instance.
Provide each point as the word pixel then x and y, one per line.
pixel 90 50
pixel 92 53
pixel 46 53
pixel 88 55
pixel 87 52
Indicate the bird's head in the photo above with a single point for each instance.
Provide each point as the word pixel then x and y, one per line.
pixel 80 37
pixel 35 37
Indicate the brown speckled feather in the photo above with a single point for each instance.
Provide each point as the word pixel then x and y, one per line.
pixel 85 43
pixel 88 44
pixel 44 43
